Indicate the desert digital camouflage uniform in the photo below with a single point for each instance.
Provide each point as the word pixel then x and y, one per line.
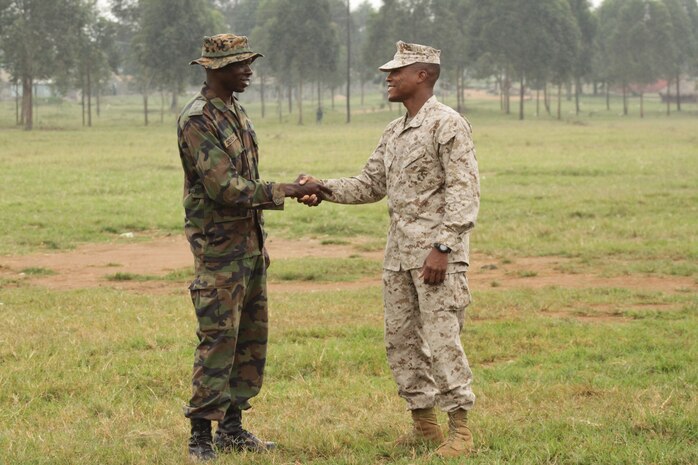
pixel 427 167
pixel 223 199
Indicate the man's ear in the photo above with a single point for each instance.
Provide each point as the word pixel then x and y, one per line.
pixel 422 75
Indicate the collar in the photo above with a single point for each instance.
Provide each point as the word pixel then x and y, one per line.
pixel 217 102
pixel 418 119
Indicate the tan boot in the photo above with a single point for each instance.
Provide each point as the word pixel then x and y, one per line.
pixel 460 439
pixel 425 429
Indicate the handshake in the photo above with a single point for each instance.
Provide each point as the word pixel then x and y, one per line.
pixel 307 190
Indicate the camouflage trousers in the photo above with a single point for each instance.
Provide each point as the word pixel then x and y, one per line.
pixel 232 329
pixel 422 338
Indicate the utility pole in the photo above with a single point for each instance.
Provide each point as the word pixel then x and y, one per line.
pixel 348 60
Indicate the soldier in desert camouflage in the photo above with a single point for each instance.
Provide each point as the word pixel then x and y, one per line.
pixel 425 163
pixel 223 202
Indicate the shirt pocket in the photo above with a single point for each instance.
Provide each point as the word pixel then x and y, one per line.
pixel 422 170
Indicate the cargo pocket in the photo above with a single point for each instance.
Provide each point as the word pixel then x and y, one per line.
pixel 458 290
pixel 214 309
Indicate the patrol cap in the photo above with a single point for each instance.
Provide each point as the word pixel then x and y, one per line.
pixel 223 49
pixel 408 54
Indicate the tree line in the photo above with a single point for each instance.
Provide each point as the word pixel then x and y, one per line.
pixel 524 46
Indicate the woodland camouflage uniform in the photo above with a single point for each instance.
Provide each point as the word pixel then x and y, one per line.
pixel 223 199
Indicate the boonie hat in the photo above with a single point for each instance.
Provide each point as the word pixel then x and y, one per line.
pixel 408 54
pixel 223 49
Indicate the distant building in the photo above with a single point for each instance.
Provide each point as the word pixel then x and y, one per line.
pixel 667 90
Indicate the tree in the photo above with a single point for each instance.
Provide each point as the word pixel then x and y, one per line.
pixel 636 36
pixel 683 42
pixel 449 34
pixel 93 57
pixel 586 22
pixel 33 36
pixel 307 42
pixel 165 36
pixel 525 39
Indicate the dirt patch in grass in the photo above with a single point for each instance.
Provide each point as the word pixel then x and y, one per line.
pixel 91 265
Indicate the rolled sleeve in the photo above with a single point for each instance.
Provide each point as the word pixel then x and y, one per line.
pixel 462 187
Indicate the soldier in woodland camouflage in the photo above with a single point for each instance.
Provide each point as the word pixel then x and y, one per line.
pixel 425 163
pixel 223 202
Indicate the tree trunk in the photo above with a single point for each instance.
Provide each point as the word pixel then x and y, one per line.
pixel 18 121
pixel 537 103
pixel 82 96
pixel 162 106
pixel 521 99
pixel 35 101
pixel 319 95
pixel 625 101
pixel 89 97
pixel 458 92
pixel 546 98
pixel 289 93
pixel 559 101
pixel 174 105
pixel 668 97
pixel 300 101
pixel 642 104
pixel 678 91
pixel 145 106
pixel 332 93
pixel 27 103
pixel 608 96
pixel 97 95
pixel 261 94
pixel 507 101
pixel 279 102
pixel 577 90
pixel 363 83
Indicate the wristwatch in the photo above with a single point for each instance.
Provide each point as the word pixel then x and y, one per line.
pixel 442 248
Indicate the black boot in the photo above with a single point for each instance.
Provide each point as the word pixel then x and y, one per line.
pixel 200 443
pixel 231 436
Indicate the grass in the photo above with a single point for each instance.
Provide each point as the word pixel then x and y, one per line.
pixel 126 276
pixel 616 194
pixel 323 269
pixel 563 376
pixel 38 271
pixel 552 387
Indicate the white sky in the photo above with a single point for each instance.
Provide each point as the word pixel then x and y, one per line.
pixel 104 4
pixel 377 3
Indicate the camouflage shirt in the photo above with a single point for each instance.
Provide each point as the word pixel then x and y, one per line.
pixel 223 194
pixel 428 169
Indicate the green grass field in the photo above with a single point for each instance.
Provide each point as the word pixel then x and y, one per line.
pixel 593 375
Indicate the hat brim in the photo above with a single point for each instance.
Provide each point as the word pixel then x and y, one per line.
pixel 395 64
pixel 216 63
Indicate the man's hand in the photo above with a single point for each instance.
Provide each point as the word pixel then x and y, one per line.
pixel 267 260
pixel 306 190
pixel 309 200
pixel 434 268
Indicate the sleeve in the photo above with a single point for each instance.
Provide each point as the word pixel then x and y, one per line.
pixel 222 182
pixel 462 190
pixel 367 187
